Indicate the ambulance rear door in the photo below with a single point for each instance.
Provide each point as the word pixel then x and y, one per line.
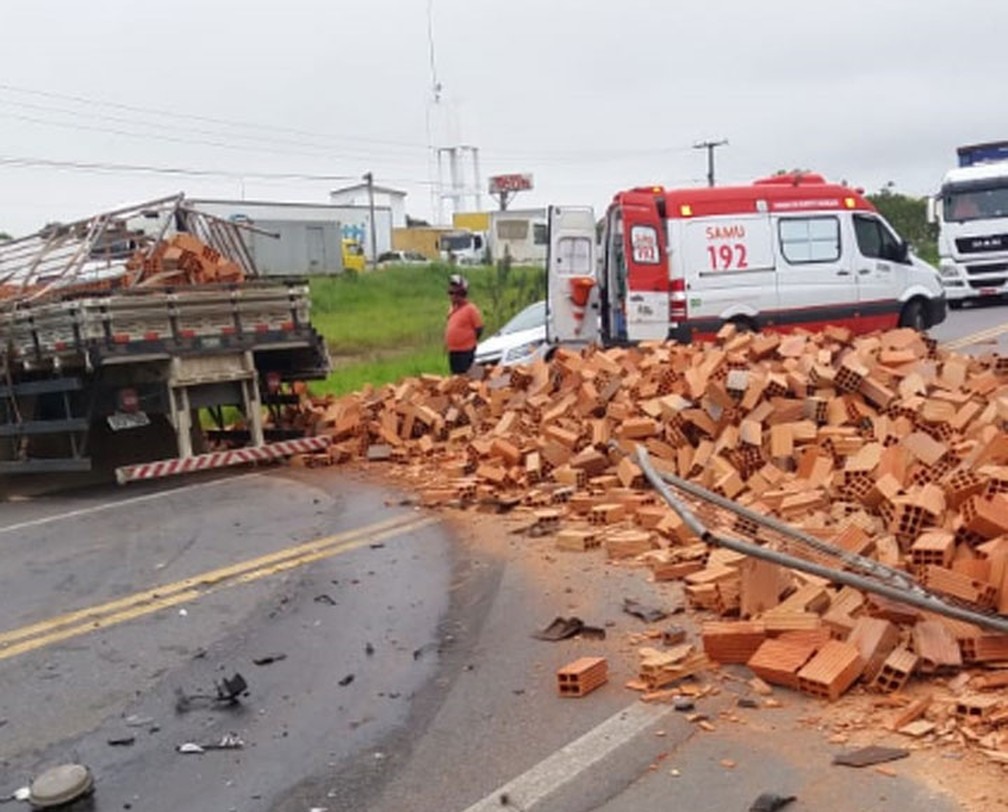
pixel 572 290
pixel 646 305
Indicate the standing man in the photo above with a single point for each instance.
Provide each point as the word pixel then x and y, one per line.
pixel 463 327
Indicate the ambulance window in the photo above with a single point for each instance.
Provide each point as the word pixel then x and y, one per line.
pixel 876 241
pixel 574 256
pixel 644 244
pixel 810 239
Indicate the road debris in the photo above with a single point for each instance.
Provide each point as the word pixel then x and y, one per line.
pixel 346 680
pixel 649 614
pixel 563 628
pixel 269 659
pixel 230 741
pixel 770 802
pixel 228 692
pixel 582 676
pixel 122 741
pixel 870 756
pixel 60 785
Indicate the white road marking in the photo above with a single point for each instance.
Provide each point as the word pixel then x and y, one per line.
pixel 571 760
pixel 73 514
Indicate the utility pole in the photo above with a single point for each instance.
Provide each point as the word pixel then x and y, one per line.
pixel 710 146
pixel 369 177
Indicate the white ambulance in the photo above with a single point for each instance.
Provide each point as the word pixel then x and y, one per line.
pixel 785 252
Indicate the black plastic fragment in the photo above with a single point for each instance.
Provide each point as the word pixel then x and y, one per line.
pixel 869 756
pixel 770 802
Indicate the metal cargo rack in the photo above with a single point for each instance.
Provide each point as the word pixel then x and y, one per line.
pixel 75 320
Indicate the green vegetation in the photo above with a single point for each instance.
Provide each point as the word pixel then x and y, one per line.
pixel 908 215
pixel 387 324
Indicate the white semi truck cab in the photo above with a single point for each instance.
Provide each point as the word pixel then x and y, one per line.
pixel 971 210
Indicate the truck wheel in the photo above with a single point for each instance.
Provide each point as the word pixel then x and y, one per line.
pixel 956 305
pixel 913 315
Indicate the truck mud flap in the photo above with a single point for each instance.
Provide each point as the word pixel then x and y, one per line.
pixel 219 459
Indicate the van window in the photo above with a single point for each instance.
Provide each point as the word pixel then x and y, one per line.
pixel 540 234
pixel 574 256
pixel 875 240
pixel 810 239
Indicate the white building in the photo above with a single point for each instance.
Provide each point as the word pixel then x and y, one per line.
pixel 384 197
pixel 301 238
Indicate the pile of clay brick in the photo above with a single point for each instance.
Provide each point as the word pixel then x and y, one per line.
pixel 883 445
pixel 182 260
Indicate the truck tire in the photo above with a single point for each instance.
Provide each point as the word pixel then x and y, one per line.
pixel 914 315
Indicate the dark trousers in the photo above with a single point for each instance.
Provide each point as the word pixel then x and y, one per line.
pixel 460 360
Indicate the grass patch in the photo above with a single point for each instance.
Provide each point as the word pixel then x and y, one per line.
pixel 388 324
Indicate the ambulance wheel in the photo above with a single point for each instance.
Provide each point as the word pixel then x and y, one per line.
pixel 744 325
pixel 913 315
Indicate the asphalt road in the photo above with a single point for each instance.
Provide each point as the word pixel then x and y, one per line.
pixel 399 672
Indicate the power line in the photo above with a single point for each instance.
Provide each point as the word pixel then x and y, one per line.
pixel 121 168
pixel 565 156
pixel 176 114
pixel 101 166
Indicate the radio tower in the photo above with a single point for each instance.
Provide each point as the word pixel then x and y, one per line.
pixel 433 105
pixel 459 162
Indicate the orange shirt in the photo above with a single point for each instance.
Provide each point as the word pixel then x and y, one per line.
pixel 460 329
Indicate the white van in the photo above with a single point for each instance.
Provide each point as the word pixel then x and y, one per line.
pixel 784 252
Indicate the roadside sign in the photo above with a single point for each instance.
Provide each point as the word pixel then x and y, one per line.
pixel 510 183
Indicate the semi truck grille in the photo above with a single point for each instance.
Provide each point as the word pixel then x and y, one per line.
pixel 980 245
pixel 991 267
pixel 990 282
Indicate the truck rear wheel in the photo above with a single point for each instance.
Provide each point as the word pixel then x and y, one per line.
pixel 914 316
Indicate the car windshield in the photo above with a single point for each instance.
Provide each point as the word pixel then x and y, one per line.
pixel 532 316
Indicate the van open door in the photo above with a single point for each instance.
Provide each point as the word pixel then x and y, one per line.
pixel 572 295
pixel 646 305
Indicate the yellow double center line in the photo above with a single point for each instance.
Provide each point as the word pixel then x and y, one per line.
pixel 976 338
pixel 82 621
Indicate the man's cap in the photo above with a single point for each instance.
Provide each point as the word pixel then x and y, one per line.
pixel 458 282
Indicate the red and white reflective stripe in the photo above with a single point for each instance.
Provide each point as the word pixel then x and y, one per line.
pixel 219 459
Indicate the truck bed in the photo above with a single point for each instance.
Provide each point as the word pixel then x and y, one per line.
pixel 95 329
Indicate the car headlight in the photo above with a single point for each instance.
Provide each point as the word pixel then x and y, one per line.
pixel 521 352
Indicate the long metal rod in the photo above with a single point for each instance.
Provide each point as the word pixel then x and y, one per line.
pixel 922 599
pixel 875 568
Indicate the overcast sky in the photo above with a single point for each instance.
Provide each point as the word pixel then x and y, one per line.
pixel 590 96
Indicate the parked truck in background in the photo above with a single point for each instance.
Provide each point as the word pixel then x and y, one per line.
pixel 464 247
pixel 971 210
pixel 118 345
